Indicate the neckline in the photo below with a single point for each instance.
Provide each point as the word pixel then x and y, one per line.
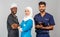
pixel 43 16
pixel 13 15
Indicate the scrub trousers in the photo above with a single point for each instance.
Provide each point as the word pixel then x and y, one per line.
pixel 42 35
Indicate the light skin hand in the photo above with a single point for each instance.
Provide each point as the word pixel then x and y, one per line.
pixel 18 27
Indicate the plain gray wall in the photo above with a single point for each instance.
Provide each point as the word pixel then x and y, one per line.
pixel 53 7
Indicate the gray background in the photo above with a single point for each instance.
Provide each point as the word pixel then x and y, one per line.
pixel 53 7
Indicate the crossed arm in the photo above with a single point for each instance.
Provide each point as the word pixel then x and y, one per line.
pixel 50 27
pixel 14 26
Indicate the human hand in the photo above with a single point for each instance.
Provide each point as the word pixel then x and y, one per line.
pixel 14 26
pixel 39 26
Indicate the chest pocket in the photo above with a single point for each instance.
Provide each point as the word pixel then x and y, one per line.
pixel 46 20
pixel 39 19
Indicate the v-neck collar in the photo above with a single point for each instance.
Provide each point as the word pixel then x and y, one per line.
pixel 43 16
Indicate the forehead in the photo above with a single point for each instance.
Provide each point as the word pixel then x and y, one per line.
pixel 27 9
pixel 42 5
pixel 14 8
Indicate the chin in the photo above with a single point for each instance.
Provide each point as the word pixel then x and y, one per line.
pixel 41 10
pixel 14 12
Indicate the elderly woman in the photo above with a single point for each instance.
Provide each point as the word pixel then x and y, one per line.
pixel 27 23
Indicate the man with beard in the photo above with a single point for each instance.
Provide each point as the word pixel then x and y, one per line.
pixel 12 22
pixel 43 21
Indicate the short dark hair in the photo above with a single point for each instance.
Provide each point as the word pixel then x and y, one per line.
pixel 42 3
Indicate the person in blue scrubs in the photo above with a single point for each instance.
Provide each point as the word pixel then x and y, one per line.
pixel 44 22
pixel 27 23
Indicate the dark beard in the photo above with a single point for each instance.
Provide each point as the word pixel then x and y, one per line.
pixel 42 11
pixel 13 13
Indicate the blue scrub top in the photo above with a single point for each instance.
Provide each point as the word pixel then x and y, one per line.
pixel 47 19
pixel 26 27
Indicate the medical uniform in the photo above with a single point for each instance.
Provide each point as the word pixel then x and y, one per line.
pixel 12 32
pixel 26 28
pixel 48 20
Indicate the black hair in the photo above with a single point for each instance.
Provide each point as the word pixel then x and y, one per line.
pixel 42 3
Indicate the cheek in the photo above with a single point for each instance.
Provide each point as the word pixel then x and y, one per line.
pixel 14 10
pixel 27 13
pixel 43 8
pixel 40 8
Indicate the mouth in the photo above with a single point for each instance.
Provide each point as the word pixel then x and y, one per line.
pixel 41 10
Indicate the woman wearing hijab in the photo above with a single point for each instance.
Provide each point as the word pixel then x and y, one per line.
pixel 27 23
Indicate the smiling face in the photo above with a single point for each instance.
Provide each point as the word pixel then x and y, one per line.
pixel 42 8
pixel 27 12
pixel 14 10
